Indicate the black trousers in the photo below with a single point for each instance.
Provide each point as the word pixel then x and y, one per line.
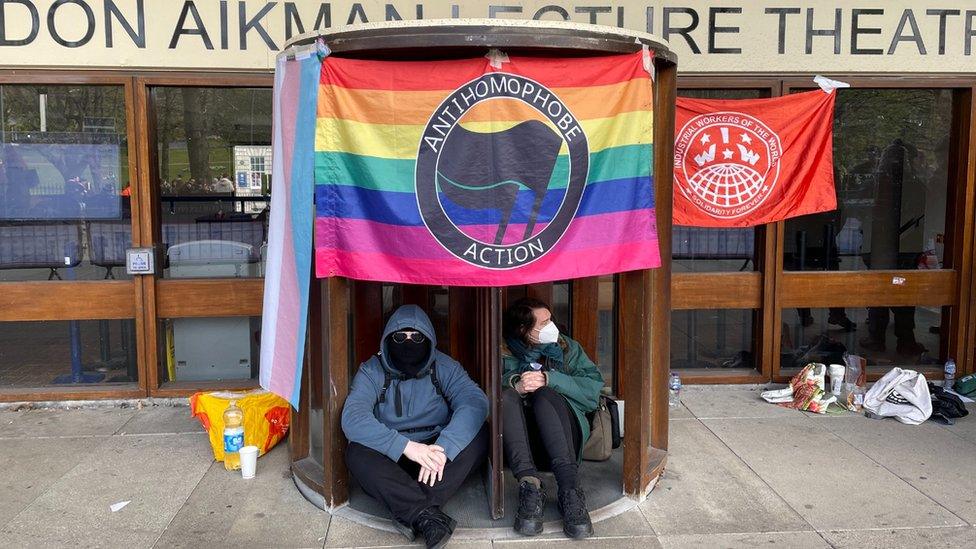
pixel 541 430
pixel 394 483
pixel 878 319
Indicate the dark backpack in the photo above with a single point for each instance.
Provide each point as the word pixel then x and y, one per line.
pixel 946 407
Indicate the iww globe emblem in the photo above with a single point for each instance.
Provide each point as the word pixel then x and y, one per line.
pixel 726 163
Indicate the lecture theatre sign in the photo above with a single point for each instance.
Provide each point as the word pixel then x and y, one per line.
pixel 896 36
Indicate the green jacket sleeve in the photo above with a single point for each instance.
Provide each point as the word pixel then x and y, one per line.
pixel 511 370
pixel 581 383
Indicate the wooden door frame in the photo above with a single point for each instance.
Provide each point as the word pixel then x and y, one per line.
pixel 945 287
pixel 85 299
pixel 777 289
pixel 186 298
pixel 751 290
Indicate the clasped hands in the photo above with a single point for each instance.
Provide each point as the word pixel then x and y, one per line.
pixel 530 382
pixel 431 459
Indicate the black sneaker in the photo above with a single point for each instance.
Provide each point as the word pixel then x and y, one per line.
pixel 532 502
pixel 845 323
pixel 435 526
pixel 576 519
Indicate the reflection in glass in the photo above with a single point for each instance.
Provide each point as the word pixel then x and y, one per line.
pixel 561 309
pixel 214 151
pixel 606 346
pixel 210 349
pixel 67 353
pixel 709 250
pixel 64 183
pixel 891 171
pixel 719 338
pixel 892 336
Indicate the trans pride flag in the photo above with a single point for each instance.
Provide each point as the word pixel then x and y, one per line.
pixel 489 171
pixel 289 261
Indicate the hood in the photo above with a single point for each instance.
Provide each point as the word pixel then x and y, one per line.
pixel 409 316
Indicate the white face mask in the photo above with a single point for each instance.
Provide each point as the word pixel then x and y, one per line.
pixel 549 334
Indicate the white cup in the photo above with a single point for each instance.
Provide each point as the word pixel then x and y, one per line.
pixel 249 461
pixel 836 378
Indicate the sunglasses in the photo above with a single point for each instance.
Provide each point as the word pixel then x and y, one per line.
pixel 403 336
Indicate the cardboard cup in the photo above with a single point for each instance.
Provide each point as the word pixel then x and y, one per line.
pixel 249 461
pixel 836 378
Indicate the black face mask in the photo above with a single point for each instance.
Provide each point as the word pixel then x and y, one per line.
pixel 407 357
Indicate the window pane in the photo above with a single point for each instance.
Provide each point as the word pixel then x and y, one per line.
pixel 885 336
pixel 606 346
pixel 719 338
pixel 891 154
pixel 67 353
pixel 561 309
pixel 208 349
pixel 214 151
pixel 64 183
pixel 706 249
pixel 709 250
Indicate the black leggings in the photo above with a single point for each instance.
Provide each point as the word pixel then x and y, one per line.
pixel 541 429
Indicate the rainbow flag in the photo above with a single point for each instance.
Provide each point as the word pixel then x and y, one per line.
pixel 490 171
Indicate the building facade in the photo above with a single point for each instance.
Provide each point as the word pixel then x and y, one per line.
pixel 139 128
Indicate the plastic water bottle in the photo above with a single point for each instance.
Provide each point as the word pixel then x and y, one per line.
pixel 233 436
pixel 950 373
pixel 674 393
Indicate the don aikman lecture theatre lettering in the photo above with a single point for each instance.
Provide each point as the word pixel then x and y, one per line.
pixel 818 27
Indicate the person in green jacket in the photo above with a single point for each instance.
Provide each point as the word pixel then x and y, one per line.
pixel 549 387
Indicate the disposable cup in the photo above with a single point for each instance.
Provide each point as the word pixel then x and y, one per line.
pixel 836 378
pixel 249 461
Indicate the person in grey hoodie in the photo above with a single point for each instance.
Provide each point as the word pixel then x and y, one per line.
pixel 416 427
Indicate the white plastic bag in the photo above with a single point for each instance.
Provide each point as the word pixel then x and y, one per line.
pixel 901 394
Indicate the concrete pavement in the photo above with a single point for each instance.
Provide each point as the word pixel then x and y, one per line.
pixel 742 473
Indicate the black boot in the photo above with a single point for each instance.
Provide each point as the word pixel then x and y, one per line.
pixel 435 526
pixel 576 519
pixel 532 502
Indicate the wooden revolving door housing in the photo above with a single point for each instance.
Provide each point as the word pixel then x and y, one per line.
pixel 347 316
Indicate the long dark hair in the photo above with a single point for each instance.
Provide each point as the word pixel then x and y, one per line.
pixel 518 319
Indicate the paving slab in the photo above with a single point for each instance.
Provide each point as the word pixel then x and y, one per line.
pixel 346 533
pixel 161 419
pixel 155 473
pixel 793 540
pixel 706 488
pixel 31 466
pixel 723 402
pixel 827 481
pixel 266 511
pixel 929 538
pixel 965 427
pixel 635 542
pixel 63 423
pixel 680 412
pixel 936 462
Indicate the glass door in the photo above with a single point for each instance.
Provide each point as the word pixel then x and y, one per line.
pixel 69 313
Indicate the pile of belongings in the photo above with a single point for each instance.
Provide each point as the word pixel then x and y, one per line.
pixel 947 407
pixel 806 391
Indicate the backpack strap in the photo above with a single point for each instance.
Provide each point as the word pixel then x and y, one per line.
pixel 437 384
pixel 387 378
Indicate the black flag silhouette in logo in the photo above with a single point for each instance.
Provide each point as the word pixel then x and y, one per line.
pixel 486 171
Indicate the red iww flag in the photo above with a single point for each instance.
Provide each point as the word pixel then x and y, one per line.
pixel 745 162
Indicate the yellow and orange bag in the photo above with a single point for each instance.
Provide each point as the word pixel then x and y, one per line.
pixel 266 417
